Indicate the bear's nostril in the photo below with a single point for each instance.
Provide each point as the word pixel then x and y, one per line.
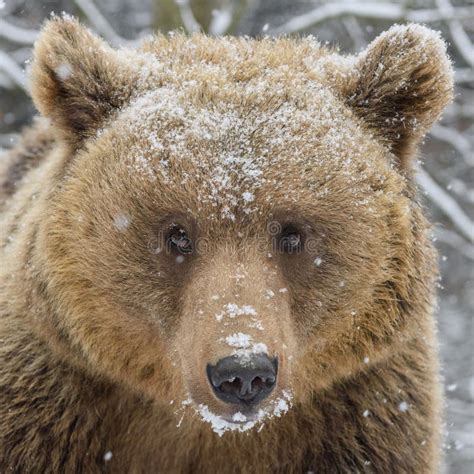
pixel 230 386
pixel 248 383
pixel 260 383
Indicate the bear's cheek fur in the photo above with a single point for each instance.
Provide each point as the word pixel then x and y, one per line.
pixel 118 309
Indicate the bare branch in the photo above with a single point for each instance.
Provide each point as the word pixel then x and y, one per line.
pixel 446 204
pixel 369 10
pixel 16 34
pixel 14 72
pixel 99 22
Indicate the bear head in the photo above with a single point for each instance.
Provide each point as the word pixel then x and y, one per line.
pixel 234 224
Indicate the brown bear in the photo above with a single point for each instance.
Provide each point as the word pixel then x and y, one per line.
pixel 214 258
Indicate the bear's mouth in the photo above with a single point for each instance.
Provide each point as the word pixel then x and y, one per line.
pixel 244 420
pixel 241 417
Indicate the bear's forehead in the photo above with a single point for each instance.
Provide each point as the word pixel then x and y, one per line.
pixel 275 132
pixel 230 154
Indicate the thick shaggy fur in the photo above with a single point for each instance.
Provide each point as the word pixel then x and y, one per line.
pixel 105 336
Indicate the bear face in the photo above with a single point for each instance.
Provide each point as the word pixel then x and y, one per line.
pixel 234 224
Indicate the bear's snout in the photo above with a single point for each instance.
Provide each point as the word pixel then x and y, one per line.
pixel 243 381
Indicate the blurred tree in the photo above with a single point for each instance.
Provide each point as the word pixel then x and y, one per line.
pixel 210 16
pixel 166 16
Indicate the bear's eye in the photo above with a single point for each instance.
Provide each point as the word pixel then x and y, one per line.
pixel 291 240
pixel 178 241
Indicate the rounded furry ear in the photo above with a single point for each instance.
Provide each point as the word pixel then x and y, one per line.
pixel 402 83
pixel 76 79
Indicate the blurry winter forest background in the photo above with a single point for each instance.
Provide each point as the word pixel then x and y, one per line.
pixel 447 158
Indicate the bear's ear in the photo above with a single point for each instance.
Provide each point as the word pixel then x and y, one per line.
pixel 76 79
pixel 401 84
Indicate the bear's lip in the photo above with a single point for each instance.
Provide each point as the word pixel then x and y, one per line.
pixel 221 421
pixel 242 416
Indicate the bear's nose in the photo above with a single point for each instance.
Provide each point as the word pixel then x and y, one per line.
pixel 243 381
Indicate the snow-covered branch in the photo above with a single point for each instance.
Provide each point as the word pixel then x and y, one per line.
pixel 463 75
pixel 370 10
pixel 221 20
pixel 12 70
pixel 355 31
pixel 19 35
pixel 456 140
pixel 190 23
pixel 451 209
pixel 16 34
pixel 455 241
pixel 7 139
pixel 99 22
pixel 5 81
pixel 459 35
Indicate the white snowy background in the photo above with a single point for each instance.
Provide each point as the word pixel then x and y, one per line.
pixel 447 160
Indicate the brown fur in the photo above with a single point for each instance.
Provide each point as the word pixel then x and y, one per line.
pixel 103 336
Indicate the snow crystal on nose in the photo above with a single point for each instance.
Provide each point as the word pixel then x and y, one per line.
pixel 233 310
pixel 239 417
pixel 239 340
pixel 245 347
